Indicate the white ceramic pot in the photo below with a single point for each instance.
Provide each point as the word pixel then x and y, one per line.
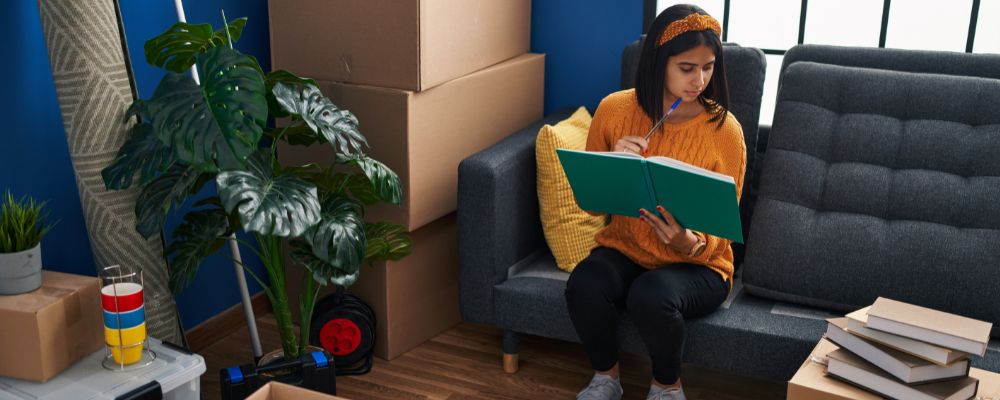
pixel 21 272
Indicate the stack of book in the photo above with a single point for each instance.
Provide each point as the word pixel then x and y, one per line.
pixel 904 351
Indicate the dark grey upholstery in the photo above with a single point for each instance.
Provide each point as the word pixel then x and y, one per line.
pixel 509 279
pixel 937 62
pixel 887 177
pixel 498 223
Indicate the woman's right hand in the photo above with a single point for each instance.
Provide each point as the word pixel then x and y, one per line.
pixel 631 144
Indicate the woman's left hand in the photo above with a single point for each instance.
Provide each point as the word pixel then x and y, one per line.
pixel 668 230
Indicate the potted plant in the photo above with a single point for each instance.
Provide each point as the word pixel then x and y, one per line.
pixel 188 135
pixel 23 224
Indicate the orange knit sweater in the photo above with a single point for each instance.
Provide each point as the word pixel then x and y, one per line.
pixel 695 141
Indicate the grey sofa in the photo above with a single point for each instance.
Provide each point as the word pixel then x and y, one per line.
pixel 880 176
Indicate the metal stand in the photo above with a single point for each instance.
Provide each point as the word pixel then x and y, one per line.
pixel 117 276
pixel 234 248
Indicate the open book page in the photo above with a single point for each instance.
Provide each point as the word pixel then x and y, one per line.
pixel 671 162
pixel 617 154
pixel 690 168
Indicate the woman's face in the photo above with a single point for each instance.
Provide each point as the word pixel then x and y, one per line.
pixel 688 73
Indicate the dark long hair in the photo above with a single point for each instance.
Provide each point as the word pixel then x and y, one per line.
pixel 650 79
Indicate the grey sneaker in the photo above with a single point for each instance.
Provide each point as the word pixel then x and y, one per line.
pixel 601 387
pixel 665 394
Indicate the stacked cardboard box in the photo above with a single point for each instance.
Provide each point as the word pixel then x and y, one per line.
pixel 897 350
pixel 431 82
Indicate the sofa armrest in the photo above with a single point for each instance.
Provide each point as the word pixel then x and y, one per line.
pixel 498 222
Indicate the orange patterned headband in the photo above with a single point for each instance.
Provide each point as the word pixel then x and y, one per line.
pixel 693 22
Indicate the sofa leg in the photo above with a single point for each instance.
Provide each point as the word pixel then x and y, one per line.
pixel 511 345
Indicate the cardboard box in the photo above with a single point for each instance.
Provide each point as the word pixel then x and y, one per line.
pixel 282 391
pixel 403 44
pixel 45 331
pixel 423 136
pixel 811 382
pixel 415 298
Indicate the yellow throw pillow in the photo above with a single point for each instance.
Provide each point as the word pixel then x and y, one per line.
pixel 569 230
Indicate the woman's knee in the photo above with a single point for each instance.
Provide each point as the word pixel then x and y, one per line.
pixel 651 296
pixel 585 279
pixel 592 277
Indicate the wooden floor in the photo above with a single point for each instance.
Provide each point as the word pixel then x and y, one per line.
pixel 464 363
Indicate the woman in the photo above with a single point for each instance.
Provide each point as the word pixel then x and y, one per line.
pixel 659 271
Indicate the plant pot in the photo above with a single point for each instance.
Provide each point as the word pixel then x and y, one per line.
pixel 279 354
pixel 21 272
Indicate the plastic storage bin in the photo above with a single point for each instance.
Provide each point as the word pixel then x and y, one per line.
pixel 174 375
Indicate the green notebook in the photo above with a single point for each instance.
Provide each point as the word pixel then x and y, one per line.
pixel 622 183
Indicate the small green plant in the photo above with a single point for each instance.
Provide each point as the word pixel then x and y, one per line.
pixel 23 223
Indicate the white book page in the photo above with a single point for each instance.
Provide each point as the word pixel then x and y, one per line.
pixel 690 168
pixel 621 154
pixel 618 154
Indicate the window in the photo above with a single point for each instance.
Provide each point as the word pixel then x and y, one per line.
pixel 775 26
pixel 768 102
pixel 747 24
pixel 715 8
pixel 988 28
pixel 923 25
pixel 828 21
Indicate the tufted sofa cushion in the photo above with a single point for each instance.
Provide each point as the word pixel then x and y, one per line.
pixel 880 183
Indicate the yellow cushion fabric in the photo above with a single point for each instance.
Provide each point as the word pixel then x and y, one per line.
pixel 569 230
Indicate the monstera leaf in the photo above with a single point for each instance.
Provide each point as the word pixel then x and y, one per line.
pixel 383 180
pixel 177 47
pixel 322 271
pixel 386 241
pixel 168 190
pixel 329 182
pixel 215 125
pixel 339 239
pixel 339 127
pixel 282 205
pixel 144 153
pixel 200 235
pixel 296 135
pixel 281 76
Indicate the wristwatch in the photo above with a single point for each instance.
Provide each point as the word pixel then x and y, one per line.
pixel 698 247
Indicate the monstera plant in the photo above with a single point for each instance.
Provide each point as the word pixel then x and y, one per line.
pixel 189 134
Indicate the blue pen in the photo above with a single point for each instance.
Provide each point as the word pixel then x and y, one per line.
pixel 657 126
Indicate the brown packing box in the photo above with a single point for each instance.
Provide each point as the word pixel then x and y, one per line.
pixel 405 44
pixel 811 382
pixel 45 331
pixel 282 391
pixel 423 136
pixel 415 298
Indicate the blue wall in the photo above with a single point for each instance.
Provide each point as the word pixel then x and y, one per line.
pixel 582 39
pixel 35 158
pixel 214 290
pixel 583 42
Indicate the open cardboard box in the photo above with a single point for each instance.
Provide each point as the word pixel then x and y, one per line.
pixel 282 391
pixel 403 44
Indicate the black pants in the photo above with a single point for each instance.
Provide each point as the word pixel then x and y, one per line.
pixel 656 300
